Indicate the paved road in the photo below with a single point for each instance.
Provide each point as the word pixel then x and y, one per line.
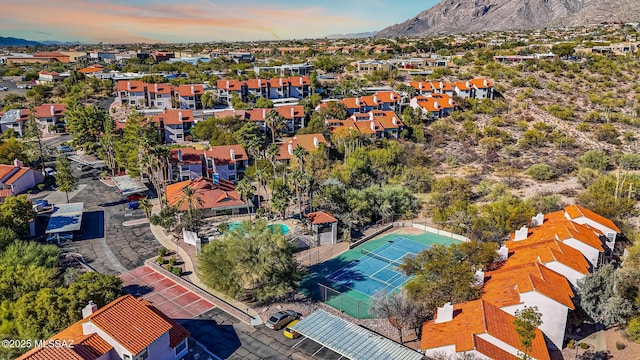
pixel 104 243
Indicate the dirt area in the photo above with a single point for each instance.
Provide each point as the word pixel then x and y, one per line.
pixel 604 345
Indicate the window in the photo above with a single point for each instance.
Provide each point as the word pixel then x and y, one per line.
pixel 179 126
pixel 184 167
pixel 232 178
pixel 127 356
pixel 180 348
pixel 132 102
pixel 231 166
pixel 179 136
pixel 158 103
pixel 143 355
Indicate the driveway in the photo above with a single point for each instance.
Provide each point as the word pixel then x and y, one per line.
pixel 104 243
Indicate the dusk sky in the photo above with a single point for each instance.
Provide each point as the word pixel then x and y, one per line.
pixel 121 21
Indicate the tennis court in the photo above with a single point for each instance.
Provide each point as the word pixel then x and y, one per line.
pixel 349 281
pixel 378 271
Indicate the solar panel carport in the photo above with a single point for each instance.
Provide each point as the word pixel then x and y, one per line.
pixel 350 340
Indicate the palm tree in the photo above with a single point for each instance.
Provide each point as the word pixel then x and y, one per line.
pixel 300 153
pixel 272 156
pixel 194 202
pixel 146 206
pixel 261 176
pixel 245 188
pixel 159 170
pixel 275 123
pixel 297 179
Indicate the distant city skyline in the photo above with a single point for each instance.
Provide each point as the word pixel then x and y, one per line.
pixel 120 21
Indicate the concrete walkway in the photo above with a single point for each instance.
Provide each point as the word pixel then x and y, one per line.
pixel 167 240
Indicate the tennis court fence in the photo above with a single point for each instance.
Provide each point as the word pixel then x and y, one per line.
pixel 357 308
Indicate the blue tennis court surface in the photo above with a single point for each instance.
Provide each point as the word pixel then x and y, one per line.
pixel 378 271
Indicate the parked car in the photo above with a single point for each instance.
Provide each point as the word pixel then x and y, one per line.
pixel 81 167
pixel 133 205
pixel 136 197
pixel 280 319
pixel 4 88
pixel 65 148
pixel 49 172
pixel 57 237
pixel 289 333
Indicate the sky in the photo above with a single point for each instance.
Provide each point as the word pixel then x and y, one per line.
pixel 168 21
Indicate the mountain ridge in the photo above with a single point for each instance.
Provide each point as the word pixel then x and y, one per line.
pixel 462 16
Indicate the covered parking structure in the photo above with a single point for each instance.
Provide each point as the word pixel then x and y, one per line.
pixel 349 340
pixel 129 186
pixel 65 218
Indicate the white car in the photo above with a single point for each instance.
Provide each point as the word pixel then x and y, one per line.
pixel 49 172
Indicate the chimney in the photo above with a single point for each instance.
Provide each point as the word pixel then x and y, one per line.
pixel 89 310
pixel 451 101
pixel 227 84
pixel 371 115
pixel 537 220
pixel 441 85
pixel 522 233
pixel 18 163
pixel 478 278
pixel 293 112
pixel 392 96
pixel 129 85
pixel 281 82
pixel 467 84
pixel 375 99
pixel 290 148
pixel 259 83
pixel 444 313
pixel 503 253
pixel 180 116
pixel 436 104
pixel 420 85
pixel 373 126
pixel 155 87
pixel 357 101
pixel 301 81
pixel 232 154
pixel 394 120
pixel 315 141
pixel 485 83
pixel 264 114
pixel 53 110
pixel 179 155
pixel 193 91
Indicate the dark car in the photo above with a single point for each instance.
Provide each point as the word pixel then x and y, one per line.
pixel 136 197
pixel 65 148
pixel 281 319
pixel 133 205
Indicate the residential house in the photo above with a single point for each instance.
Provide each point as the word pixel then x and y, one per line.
pixel 532 284
pixel 217 196
pixel 50 117
pixel 257 88
pixel 278 88
pixel 228 88
pixel 309 142
pixel 389 100
pixel 175 124
pixel 299 87
pixel 92 70
pixel 432 87
pixel 190 96
pixel 293 116
pixel 369 66
pixel 63 58
pixel 159 96
pixel 474 89
pixel 132 92
pixel 48 77
pixel 126 328
pixel 380 123
pixel 434 106
pixel 185 163
pixel 477 329
pixel 229 162
pixel 14 119
pixel 580 215
pixel 19 178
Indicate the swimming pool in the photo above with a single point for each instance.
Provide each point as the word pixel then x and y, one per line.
pixel 283 228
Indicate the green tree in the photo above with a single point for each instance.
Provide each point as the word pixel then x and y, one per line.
pixel 264 103
pixel 33 134
pixel 250 138
pixel 127 148
pixel 246 190
pixel 15 213
pixel 167 218
pixel 86 125
pixel 11 149
pixel 107 146
pixel 563 50
pixel 600 299
pixel 526 322
pixel 399 309
pixel 146 206
pixel 64 177
pixel 251 263
pixel 208 100
pixel 7 237
pixel 276 123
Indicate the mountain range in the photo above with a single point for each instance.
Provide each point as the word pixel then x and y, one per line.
pixel 461 16
pixel 11 41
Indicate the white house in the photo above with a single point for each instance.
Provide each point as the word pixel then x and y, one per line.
pixel 580 215
pixel 127 328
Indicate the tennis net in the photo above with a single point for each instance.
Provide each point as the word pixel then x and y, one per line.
pixel 381 258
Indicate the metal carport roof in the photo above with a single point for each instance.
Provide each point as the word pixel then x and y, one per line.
pixel 350 340
pixel 65 218
pixel 128 185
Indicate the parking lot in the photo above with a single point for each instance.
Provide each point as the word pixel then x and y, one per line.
pixel 12 89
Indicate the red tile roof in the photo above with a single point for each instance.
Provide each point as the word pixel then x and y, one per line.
pixel 307 141
pixel 481 83
pixel 321 217
pixel 159 88
pixel 388 96
pixel 6 170
pixel 256 83
pixel 210 196
pixel 546 251
pixel 435 102
pixel 190 90
pixel 45 110
pixel 92 69
pixel 492 351
pixel 299 81
pixel 130 85
pixel 476 318
pixel 189 156
pixel 229 85
pixel 17 175
pixel 557 226
pixel 221 155
pixel 130 322
pixel 576 211
pixel 5 193
pixel 503 287
pixel 174 117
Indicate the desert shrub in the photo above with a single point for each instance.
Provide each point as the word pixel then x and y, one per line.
pixel 594 159
pixel 177 271
pixel 540 171
pixel 160 260
pixel 173 261
pixel 620 345
pixel 162 252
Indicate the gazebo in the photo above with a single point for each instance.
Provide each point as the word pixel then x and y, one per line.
pixel 325 227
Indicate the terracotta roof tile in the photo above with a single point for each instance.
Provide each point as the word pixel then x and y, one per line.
pixel 503 287
pixel 17 175
pixel 189 155
pixel 576 211
pixel 546 251
pixel 492 351
pixel 476 318
pixel 388 96
pixel 229 85
pixel 130 85
pixel 221 155
pixel 307 141
pixel 321 217
pixel 174 117
pixel 298 81
pixel 5 193
pixel 557 226
pixel 481 83
pixel 435 102
pixel 129 322
pixel 190 90
pixel 159 88
pixel 50 110
pixel 6 170
pixel 210 196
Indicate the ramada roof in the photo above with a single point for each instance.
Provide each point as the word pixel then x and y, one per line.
pixel 503 287
pixel 475 318
pixel 321 217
